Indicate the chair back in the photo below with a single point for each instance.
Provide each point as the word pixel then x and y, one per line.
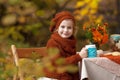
pixel 26 53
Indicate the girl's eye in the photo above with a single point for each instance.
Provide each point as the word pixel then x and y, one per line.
pixel 69 27
pixel 62 26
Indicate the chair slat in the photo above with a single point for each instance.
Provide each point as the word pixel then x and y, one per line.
pixel 27 52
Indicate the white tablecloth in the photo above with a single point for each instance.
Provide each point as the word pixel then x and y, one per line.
pixel 100 68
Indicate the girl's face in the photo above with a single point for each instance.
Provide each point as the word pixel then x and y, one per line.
pixel 65 29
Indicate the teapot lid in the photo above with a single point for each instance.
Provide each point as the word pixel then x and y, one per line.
pixel 115 37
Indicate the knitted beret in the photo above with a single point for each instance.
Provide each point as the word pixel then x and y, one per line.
pixel 59 17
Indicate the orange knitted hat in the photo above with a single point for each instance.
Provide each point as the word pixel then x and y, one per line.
pixel 59 17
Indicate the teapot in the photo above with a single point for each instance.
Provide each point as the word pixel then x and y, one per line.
pixel 115 42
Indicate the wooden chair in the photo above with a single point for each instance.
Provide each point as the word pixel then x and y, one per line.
pixel 25 53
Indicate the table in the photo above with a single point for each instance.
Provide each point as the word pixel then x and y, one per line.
pixel 99 68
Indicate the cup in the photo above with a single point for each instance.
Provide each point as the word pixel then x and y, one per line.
pixel 92 51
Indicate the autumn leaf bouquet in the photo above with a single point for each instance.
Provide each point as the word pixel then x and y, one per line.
pixel 96 33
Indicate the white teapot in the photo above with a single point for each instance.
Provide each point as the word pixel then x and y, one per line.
pixel 115 41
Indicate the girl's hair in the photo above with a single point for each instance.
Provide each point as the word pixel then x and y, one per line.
pixel 59 17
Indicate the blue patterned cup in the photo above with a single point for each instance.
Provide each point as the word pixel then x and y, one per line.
pixel 92 51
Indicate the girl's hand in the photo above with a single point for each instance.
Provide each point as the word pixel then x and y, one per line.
pixel 83 53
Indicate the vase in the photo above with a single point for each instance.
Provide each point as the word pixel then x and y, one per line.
pixel 97 46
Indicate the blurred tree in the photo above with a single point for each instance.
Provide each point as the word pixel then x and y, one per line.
pixel 118 16
pixel 28 20
pixel 111 14
pixel 99 10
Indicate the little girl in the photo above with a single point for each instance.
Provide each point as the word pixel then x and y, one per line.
pixel 62 38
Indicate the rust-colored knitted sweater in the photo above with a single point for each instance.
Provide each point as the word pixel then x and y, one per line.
pixel 68 51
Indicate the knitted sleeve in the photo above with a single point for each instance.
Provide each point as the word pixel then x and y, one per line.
pixel 69 60
pixel 74 59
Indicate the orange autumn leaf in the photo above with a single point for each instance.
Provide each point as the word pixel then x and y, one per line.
pixel 105 38
pixel 97 36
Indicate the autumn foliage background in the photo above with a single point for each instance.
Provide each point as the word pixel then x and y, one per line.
pixel 25 23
